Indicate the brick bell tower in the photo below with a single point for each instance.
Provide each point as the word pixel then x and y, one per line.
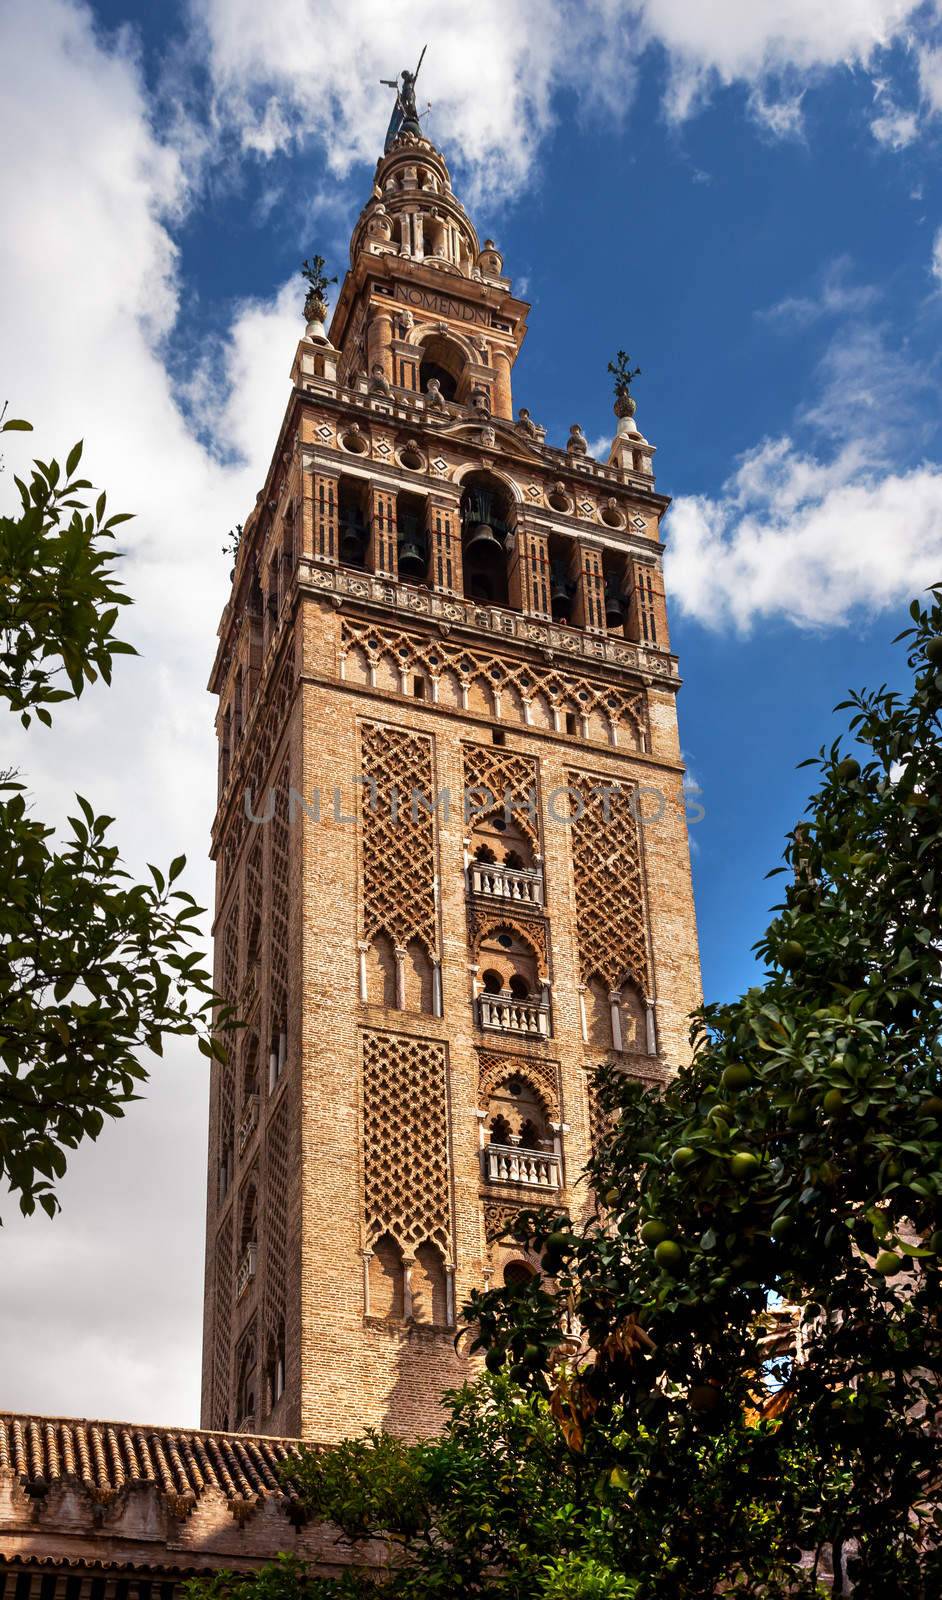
pixel 452 858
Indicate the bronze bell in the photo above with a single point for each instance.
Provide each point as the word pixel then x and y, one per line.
pixel 560 592
pixel 353 541
pixel 614 604
pixel 482 541
pixel 412 561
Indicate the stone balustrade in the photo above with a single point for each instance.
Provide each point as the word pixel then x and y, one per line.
pixel 536 1169
pixel 246 1272
pixel 501 1013
pixel 522 885
pixel 249 1122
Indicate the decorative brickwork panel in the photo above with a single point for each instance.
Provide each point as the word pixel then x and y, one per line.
pixel 276 1217
pixel 506 775
pixel 405 1141
pixel 611 925
pixel 222 1326
pixel 505 679
pixel 499 1218
pixel 398 836
pixel 494 1068
pixel 280 842
pixel 384 534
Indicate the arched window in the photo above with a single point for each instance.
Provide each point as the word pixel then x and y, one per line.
pixel 634 1027
pixel 418 978
pixel 486 514
pixel 386 1280
pixel 598 1012
pixel 275 1365
pixel 381 971
pixel 517 1115
pixel 249 1234
pixel 517 1274
pixel 246 1387
pixel 429 1291
pixel 506 958
pixel 493 981
pixel 519 986
pixel 445 361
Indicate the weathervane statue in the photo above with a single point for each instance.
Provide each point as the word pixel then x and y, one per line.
pixel 405 117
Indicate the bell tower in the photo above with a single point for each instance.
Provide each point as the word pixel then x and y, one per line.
pixel 452 859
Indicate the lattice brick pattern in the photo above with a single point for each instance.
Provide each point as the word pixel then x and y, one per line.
pixel 504 773
pixel 398 837
pixel 252 762
pixel 222 1326
pixel 276 1217
pixel 606 851
pixel 565 691
pixel 280 842
pixel 405 1140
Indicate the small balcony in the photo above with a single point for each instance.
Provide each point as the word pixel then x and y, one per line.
pixel 519 885
pixel 501 1013
pixel 532 1169
pixel 246 1273
pixel 249 1121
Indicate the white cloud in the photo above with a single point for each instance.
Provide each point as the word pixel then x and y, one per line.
pixel 797 539
pixel 89 290
pixel 295 68
pixel 833 296
pixel 937 256
pixel 895 128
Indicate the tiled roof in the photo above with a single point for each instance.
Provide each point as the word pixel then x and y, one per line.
pixel 108 1456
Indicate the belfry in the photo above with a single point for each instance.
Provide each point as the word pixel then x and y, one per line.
pixel 453 868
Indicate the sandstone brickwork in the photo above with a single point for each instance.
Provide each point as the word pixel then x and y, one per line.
pixel 452 858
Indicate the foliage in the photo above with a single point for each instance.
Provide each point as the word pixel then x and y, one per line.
pixel 93 966
pixel 798 1156
pixel 233 542
pixel 623 373
pixel 312 272
pixel 496 1506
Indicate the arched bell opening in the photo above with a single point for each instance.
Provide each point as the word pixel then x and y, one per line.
pixel 616 598
pixel 444 361
pixel 486 538
pixel 563 578
pixel 353 521
pixel 411 537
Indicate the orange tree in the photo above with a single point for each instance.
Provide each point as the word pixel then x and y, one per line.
pixel 660 1454
pixel 94 968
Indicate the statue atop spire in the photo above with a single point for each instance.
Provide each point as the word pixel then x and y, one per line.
pixel 405 116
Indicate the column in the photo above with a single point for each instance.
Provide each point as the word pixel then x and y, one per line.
pixel 529 576
pixel 443 529
pixel 379 343
pixel 503 396
pixel 614 1001
pixel 323 538
pixel 362 951
pixel 382 552
pixel 589 609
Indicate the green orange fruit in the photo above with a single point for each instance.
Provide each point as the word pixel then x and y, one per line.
pixel 669 1255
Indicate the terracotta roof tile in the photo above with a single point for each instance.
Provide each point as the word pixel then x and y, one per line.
pixel 106 1456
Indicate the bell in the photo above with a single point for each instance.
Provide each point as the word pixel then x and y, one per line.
pixel 412 562
pixel 560 592
pixel 353 542
pixel 614 604
pixel 483 542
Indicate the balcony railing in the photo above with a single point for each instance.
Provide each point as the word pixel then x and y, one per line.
pixel 249 1121
pixel 245 1425
pixel 503 1014
pixel 246 1272
pixel 522 885
pixel 535 1169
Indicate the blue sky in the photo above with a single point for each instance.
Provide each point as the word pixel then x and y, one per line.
pixel 746 197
